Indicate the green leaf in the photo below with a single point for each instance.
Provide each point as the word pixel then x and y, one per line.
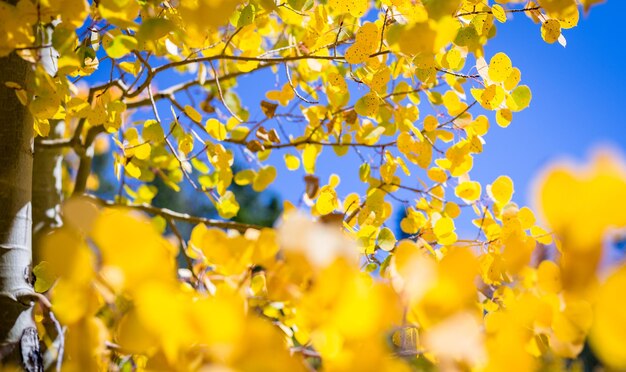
pixel 367 105
pixel 386 239
pixel 154 29
pixel 44 278
pixel 152 131
pixel 522 97
pixel 247 16
pixel 121 46
pixel 364 171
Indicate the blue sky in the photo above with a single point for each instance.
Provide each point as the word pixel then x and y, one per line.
pixel 578 94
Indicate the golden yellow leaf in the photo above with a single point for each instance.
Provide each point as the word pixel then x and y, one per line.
pixel 501 190
pixel 468 190
pixel 551 30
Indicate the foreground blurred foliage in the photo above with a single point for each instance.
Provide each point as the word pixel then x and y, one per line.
pixel 294 297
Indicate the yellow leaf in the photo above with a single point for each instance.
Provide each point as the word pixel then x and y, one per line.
pixel 481 125
pixel 185 144
pixel 580 203
pixel 356 8
pixel 526 217
pixel 193 114
pixel 500 67
pixel 549 277
pixel 416 39
pixel 152 131
pixel 42 127
pixel 468 190
pixel 121 13
pixel 145 193
pixel 142 152
pixel 309 158
pixel 491 97
pixel 70 301
pixel 215 129
pixel 452 210
pixel 264 177
pixel 326 201
pixel 44 107
pixel 430 123
pixel 501 190
pixel 498 13
pixel 365 44
pixel 513 79
pixel 337 90
pixel 558 8
pixel 292 162
pixel 607 333
pixel 504 117
pixel 589 3
pixel 444 231
pixel 367 105
pixel 132 169
pixel 283 96
pixel 245 177
pixel 441 8
pixel 120 46
pixel 551 30
pixel 437 174
pixel 227 206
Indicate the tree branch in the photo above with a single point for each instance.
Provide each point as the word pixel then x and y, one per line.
pixel 476 12
pixel 169 214
pixel 224 57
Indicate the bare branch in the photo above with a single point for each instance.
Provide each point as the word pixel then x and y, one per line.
pixel 294 88
pixel 219 90
pixel 178 216
pixel 491 12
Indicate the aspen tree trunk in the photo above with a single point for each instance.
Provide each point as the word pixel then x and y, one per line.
pixel 19 343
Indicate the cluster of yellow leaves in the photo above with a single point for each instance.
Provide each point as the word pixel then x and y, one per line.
pixel 410 44
pixel 250 301
pixel 584 205
pixel 20 22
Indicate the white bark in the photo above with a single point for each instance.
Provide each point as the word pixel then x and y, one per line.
pixel 19 343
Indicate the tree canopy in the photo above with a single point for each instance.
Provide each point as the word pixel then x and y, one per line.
pixel 403 85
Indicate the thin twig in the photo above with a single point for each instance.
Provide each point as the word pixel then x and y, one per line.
pixel 475 76
pixel 169 143
pixel 219 90
pixel 451 121
pixel 491 12
pixel 183 245
pixel 230 39
pixel 294 88
pixel 382 32
pixel 60 339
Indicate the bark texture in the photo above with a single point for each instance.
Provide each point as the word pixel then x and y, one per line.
pixel 19 343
